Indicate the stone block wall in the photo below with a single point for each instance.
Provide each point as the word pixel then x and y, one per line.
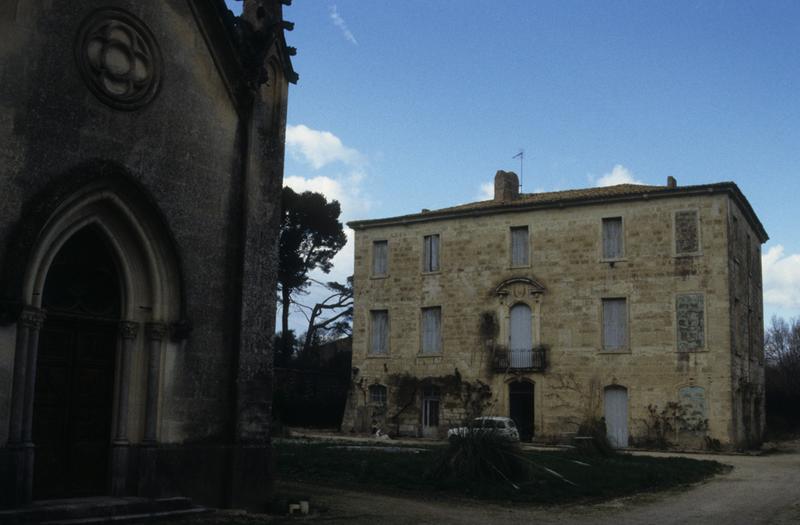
pixel 566 260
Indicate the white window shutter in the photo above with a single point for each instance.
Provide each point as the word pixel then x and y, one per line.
pixel 380 254
pixel 519 246
pixel 612 238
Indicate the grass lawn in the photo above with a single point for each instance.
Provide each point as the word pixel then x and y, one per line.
pixel 555 477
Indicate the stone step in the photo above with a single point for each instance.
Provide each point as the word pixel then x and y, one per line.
pixel 95 510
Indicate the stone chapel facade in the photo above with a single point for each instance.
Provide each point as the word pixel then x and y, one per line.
pixel 141 162
pixel 638 304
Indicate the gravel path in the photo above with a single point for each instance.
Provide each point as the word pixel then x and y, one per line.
pixel 759 489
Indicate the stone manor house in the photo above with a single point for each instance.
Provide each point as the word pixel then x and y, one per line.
pixel 639 304
pixel 141 165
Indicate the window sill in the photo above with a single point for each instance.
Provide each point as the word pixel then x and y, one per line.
pixel 615 351
pixel 682 255
pixel 435 272
pixel 614 260
pixel 699 351
pixel 377 277
pixel 519 267
pixel 378 356
pixel 429 355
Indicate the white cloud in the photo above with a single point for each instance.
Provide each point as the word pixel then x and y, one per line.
pixel 781 274
pixel 339 22
pixel 319 148
pixel 486 191
pixel 619 174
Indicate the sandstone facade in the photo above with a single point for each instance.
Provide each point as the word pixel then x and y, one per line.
pixel 658 324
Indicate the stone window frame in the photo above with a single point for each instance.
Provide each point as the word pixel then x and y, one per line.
pixel 601 254
pixel 627 348
pixel 387 353
pixel 421 353
pixel 698 223
pixel 422 253
pixel 510 244
pixel 372 274
pixel 378 387
pixel 705 321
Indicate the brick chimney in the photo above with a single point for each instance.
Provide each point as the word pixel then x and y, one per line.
pixel 506 186
pixel 671 182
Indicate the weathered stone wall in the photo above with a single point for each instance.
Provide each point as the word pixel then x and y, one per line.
pixel 183 147
pixel 747 332
pixel 566 259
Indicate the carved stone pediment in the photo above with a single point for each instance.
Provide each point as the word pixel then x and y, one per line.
pixel 519 288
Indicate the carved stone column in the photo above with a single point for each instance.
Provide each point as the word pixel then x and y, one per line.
pixel 119 454
pixel 23 393
pixel 155 336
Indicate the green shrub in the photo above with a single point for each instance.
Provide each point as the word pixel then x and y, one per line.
pixel 596 429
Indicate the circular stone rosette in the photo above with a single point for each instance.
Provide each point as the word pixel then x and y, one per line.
pixel 119 59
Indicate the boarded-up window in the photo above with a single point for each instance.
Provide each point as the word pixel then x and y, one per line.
pixel 380 258
pixel 430 254
pixel 379 332
pixel 690 314
pixel 431 330
pixel 687 235
pixel 519 246
pixel 615 324
pixel 612 238
pixel 377 395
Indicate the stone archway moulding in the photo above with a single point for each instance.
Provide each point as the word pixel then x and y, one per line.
pixel 151 300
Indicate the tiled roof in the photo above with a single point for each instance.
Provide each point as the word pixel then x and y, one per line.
pixel 557 196
pixel 578 197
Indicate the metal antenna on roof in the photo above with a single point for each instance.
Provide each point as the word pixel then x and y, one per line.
pixel 521 156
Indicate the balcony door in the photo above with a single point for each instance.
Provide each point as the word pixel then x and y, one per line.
pixel 520 337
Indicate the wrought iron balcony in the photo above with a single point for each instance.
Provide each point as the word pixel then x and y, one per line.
pixel 520 359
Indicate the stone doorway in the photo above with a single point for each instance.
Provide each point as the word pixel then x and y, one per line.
pixel 520 407
pixel 75 370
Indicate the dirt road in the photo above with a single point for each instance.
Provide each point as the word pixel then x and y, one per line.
pixel 759 489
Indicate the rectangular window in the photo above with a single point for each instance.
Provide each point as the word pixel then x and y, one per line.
pixel 612 238
pixel 690 318
pixel 430 254
pixel 379 332
pixel 687 232
pixel 432 330
pixel 615 324
pixel 377 395
pixel 380 258
pixel 520 247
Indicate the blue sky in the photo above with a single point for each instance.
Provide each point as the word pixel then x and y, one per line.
pixel 415 104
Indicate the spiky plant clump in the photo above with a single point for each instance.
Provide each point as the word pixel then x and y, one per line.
pixel 478 457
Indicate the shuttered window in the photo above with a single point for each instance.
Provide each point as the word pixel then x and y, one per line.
pixel 379 332
pixel 431 330
pixel 612 238
pixel 430 254
pixel 519 246
pixel 380 258
pixel 615 324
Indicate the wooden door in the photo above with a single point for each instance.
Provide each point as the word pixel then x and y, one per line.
pixel 616 414
pixel 520 407
pixel 72 408
pixel 430 412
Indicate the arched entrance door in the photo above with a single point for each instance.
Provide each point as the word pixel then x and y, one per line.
pixel 75 369
pixel 616 414
pixel 520 405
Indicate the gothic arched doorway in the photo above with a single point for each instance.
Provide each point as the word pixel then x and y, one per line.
pixel 75 369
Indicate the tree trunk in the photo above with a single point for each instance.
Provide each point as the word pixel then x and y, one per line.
pixel 286 302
